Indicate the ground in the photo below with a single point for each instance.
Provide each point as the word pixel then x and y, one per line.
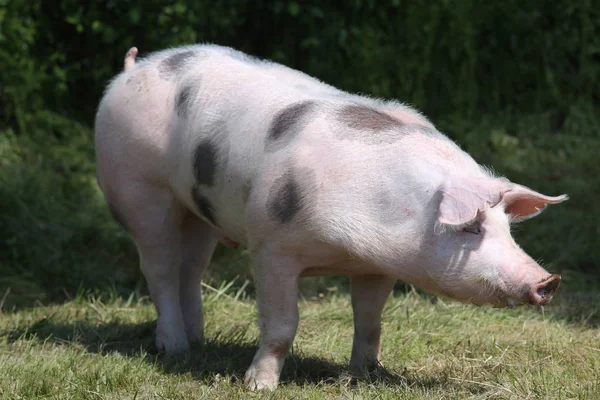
pixel 94 348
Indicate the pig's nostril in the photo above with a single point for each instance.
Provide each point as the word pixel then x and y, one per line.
pixel 543 291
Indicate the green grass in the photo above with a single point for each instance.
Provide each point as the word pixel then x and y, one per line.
pixel 90 348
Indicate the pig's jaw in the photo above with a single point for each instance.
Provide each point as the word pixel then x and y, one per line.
pixel 512 302
pixel 526 282
pixel 539 293
pixel 499 292
pixel 497 299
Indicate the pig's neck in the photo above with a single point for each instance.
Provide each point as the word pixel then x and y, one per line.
pixel 401 247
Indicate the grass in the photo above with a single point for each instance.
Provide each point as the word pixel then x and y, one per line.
pixel 94 348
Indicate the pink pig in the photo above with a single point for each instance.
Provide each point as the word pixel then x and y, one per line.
pixel 204 143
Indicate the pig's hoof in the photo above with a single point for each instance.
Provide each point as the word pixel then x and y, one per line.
pixel 195 337
pixel 172 347
pixel 260 380
pixel 194 333
pixel 365 367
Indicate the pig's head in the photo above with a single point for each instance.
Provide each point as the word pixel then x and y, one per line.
pixel 472 256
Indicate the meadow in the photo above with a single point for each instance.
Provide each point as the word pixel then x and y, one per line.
pixel 516 84
pixel 103 348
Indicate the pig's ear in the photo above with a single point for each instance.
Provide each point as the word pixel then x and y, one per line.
pixel 523 203
pixel 463 199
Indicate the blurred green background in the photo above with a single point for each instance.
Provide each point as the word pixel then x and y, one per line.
pixel 515 83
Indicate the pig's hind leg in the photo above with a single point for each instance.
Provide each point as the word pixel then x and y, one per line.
pixel 154 219
pixel 197 246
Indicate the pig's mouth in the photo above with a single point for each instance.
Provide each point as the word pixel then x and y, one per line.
pixel 502 295
pixel 539 294
pixel 509 302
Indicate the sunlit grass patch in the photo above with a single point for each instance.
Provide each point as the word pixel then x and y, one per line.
pixel 91 348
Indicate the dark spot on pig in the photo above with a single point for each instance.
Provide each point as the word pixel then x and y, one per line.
pixel 369 126
pixel 203 205
pixel 185 97
pixel 366 118
pixel 117 216
pixel 171 65
pixel 279 349
pixel 284 200
pixel 287 124
pixel 129 80
pixel 205 163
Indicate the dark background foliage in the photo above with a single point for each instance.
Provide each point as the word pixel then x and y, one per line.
pixel 515 83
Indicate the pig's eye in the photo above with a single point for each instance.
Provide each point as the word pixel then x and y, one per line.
pixel 475 229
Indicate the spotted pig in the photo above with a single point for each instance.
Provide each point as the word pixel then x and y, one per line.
pixel 203 143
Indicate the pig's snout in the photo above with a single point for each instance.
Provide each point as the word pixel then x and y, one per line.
pixel 541 293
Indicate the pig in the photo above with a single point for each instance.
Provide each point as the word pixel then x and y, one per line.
pixel 202 144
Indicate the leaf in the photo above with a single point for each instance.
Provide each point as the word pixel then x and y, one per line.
pixel 293 8
pixel 134 15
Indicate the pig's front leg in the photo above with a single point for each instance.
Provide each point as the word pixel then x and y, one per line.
pixel 369 294
pixel 276 279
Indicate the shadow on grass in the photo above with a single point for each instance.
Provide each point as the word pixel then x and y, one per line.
pixel 223 354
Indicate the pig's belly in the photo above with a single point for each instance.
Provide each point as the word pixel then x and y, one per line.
pixel 348 268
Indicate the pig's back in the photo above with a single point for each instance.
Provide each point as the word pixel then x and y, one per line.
pixel 229 133
pixel 234 121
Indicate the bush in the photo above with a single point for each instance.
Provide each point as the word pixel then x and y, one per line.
pixel 446 57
